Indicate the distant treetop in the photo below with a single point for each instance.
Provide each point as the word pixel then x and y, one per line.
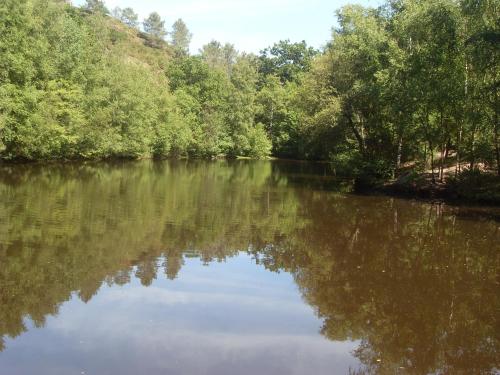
pixel 155 26
pixel 286 60
pixel 96 6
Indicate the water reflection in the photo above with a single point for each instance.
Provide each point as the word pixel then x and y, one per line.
pixel 414 285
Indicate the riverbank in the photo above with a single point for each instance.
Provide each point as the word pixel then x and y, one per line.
pixel 469 187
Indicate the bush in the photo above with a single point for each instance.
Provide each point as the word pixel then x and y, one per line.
pixel 476 186
pixel 260 145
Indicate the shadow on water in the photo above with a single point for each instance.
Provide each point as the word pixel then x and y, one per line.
pixel 417 284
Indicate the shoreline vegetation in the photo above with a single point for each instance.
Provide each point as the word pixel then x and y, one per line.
pixel 468 188
pixel 403 98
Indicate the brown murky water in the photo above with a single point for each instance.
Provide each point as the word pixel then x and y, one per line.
pixel 238 268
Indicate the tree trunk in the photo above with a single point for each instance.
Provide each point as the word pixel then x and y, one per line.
pixel 399 153
pixel 359 137
pixel 444 146
pixel 497 125
pixel 271 120
pixel 497 149
pixel 459 143
pixel 441 164
pixel 425 155
pixel 460 132
pixel 472 148
pixel 431 149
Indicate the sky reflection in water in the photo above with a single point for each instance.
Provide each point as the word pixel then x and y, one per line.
pixel 227 318
pixel 238 267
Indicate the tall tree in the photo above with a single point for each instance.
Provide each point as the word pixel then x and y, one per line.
pixel 286 60
pixel 155 26
pixel 181 37
pixel 219 56
pixel 96 6
pixel 482 33
pixel 129 17
pixel 117 13
pixel 436 72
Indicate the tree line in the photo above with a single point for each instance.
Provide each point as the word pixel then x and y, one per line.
pixel 410 84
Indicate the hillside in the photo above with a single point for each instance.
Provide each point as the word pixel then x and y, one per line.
pixel 137 47
pixel 85 85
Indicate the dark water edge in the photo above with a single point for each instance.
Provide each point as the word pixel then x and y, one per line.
pixel 455 194
pixel 430 194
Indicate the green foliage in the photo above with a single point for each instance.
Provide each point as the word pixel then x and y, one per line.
pixel 407 84
pixel 286 60
pixel 96 6
pixel 181 37
pixel 128 16
pixel 219 56
pixel 410 82
pixel 155 26
pixel 80 85
pixel 275 111
pixel 474 185
pixel 259 145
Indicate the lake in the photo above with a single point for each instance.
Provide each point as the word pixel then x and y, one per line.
pixel 239 267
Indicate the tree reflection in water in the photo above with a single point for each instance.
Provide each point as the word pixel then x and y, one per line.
pixel 416 283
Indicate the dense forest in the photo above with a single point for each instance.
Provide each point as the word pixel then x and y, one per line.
pixel 409 85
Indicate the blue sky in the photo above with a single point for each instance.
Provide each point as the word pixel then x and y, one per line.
pixel 250 25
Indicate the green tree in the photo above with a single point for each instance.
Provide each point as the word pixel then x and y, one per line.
pixel 407 85
pixel 219 56
pixel 437 77
pixel 276 112
pixel 155 26
pixel 129 17
pixel 482 36
pixel 259 145
pixel 181 37
pixel 286 60
pixel 96 6
pixel 117 13
pixel 357 53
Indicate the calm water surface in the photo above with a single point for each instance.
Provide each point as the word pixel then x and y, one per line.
pixel 238 268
